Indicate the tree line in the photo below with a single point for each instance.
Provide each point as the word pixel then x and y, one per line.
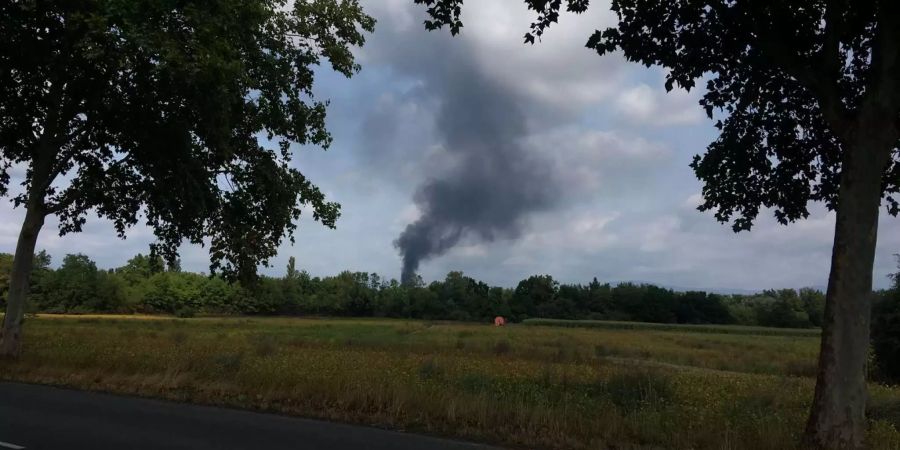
pixel 148 285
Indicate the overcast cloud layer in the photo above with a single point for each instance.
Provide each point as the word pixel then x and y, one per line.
pixel 605 150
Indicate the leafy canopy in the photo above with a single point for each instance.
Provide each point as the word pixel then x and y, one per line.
pixel 788 81
pixel 178 113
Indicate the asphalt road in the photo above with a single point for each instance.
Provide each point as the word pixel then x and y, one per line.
pixel 41 417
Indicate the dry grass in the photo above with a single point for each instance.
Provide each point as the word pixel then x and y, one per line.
pixel 531 387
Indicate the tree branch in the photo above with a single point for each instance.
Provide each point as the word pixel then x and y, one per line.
pixel 47 149
pixel 64 201
pixel 820 73
pixel 883 89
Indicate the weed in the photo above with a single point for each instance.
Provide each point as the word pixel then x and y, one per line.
pixel 502 347
pixel 228 363
pixel 601 351
pixel 633 391
pixel 185 312
pixel 475 383
pixel 802 368
pixel 179 337
pixel 429 369
pixel 264 345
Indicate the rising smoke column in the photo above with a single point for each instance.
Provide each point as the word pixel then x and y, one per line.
pixel 492 183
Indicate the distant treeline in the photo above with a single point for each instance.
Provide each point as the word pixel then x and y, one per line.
pixel 147 285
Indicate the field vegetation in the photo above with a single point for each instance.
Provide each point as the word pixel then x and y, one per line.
pixel 518 386
pixel 693 328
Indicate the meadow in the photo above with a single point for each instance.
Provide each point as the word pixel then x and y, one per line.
pixel 692 328
pixel 521 386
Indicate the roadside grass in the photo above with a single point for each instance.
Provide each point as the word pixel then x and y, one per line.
pixel 519 386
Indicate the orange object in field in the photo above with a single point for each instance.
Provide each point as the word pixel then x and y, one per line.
pixel 499 321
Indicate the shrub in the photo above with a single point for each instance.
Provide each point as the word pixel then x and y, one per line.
pixel 883 410
pixel 886 337
pixel 634 391
pixel 602 351
pixel 802 368
pixel 179 337
pixel 228 363
pixel 185 312
pixel 502 347
pixel 475 383
pixel 264 345
pixel 429 369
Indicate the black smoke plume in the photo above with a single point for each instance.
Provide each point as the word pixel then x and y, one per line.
pixel 491 184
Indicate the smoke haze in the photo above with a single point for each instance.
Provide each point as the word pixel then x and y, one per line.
pixel 490 184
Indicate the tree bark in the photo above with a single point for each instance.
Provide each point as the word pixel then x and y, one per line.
pixel 837 419
pixel 23 262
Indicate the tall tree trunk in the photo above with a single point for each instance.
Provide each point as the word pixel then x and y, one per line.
pixel 23 261
pixel 837 419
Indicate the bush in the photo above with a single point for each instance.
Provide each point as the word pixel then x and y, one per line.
pixel 264 345
pixel 638 390
pixel 179 337
pixel 228 363
pixel 886 337
pixel 475 383
pixel 185 312
pixel 502 347
pixel 429 369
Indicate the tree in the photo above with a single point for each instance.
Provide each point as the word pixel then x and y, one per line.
pixel 599 296
pixel 292 273
pixel 808 99
pixel 181 114
pixel 173 265
pixel 895 277
pixel 140 267
pixel 393 300
pixel 465 297
pixel 109 295
pixel 700 307
pixel 531 294
pixel 625 300
pixel 423 303
pixel 786 310
pixel 173 292
pixel 814 304
pixel 71 287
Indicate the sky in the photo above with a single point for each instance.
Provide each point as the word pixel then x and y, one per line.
pixel 504 160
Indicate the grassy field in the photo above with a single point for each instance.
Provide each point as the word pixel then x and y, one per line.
pixel 518 386
pixel 716 329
